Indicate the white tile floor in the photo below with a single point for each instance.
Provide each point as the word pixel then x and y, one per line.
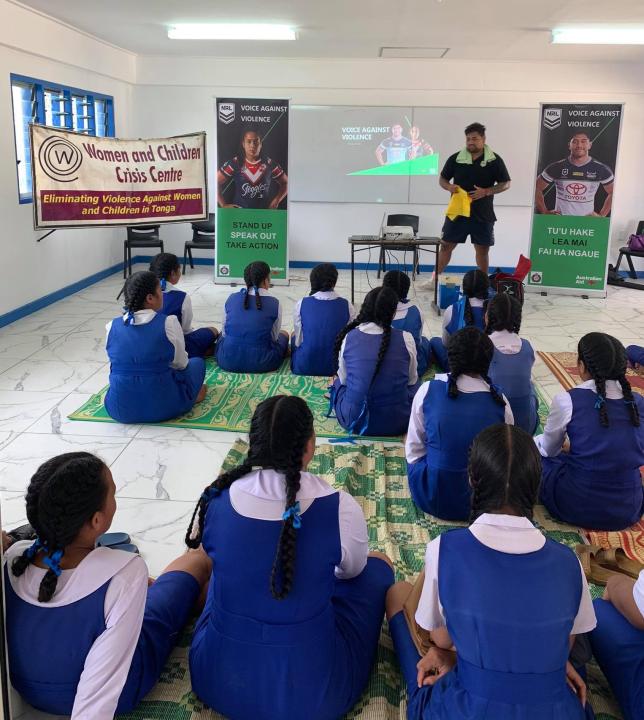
pixel 53 360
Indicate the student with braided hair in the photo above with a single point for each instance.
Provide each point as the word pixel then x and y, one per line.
pixel 408 316
pixel 199 343
pixel 151 377
pixel 251 339
pixel 317 320
pixel 377 370
pixel 294 608
pixel 86 635
pixel 468 310
pixel 593 480
pixel 511 367
pixel 502 602
pixel 447 414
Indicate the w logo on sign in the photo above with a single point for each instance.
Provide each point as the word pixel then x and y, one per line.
pixel 552 118
pixel 226 113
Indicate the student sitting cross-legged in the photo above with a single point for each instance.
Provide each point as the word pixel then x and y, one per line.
pixel 296 602
pixel 502 602
pixel 447 414
pixel 86 635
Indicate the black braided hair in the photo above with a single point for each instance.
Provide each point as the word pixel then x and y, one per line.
pixel 379 306
pixel 470 352
pixel 137 287
pixel 476 284
pixel 63 494
pixel 398 281
pixel 164 264
pixel 503 313
pixel 604 357
pixel 323 278
pixel 504 470
pixel 279 431
pixel 254 276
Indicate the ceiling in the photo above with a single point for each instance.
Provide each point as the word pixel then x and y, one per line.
pixel 471 29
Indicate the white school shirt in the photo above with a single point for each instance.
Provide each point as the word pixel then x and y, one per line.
pixel 507 534
pixel 447 317
pixel 554 434
pixel 402 309
pixel 186 308
pixel 373 329
pixel 506 342
pixel 173 332
pixel 277 325
pixel 108 661
pixel 261 495
pixel 638 592
pixel 297 318
pixel 415 447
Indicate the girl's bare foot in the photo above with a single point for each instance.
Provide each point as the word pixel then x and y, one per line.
pixel 202 394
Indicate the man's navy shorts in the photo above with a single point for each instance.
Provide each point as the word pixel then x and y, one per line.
pixel 457 230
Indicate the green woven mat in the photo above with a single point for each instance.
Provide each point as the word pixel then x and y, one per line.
pixel 232 398
pixel 375 474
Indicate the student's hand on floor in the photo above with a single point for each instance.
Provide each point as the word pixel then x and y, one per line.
pixel 434 665
pixel 575 683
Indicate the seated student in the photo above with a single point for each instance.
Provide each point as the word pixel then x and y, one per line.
pixel 317 320
pixel 251 340
pixel 408 316
pixel 595 482
pixel 468 310
pixel 511 366
pixel 151 377
pixel 635 355
pixel 199 343
pixel 86 636
pixel 294 610
pixel 503 603
pixel 618 641
pixel 447 414
pixel 377 372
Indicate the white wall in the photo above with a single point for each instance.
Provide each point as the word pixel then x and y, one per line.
pixel 175 95
pixel 33 45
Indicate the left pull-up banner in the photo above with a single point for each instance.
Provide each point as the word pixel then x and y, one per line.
pixel 80 180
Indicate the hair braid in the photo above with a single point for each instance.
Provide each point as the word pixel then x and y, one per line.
pixel 136 289
pixel 605 359
pixel 629 398
pixel 494 390
pixel 323 278
pixel 164 264
pixel 503 313
pixel 469 352
pixel 254 275
pixel 468 316
pixel 398 281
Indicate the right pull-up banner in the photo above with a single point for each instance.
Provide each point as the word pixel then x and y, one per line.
pixel 573 197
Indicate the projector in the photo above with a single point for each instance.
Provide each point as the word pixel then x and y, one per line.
pixel 398 232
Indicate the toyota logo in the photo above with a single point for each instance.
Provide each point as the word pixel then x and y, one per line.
pixel 576 189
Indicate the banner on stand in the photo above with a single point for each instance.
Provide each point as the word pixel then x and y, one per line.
pixel 252 186
pixel 574 194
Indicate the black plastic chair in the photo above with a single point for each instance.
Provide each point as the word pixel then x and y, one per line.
pixel 630 254
pixel 203 238
pixel 139 236
pixel 405 221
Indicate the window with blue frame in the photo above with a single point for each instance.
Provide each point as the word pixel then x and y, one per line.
pixel 37 101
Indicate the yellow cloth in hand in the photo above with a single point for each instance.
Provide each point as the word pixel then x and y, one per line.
pixel 459 204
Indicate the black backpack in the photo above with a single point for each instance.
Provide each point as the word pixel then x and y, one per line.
pixel 504 283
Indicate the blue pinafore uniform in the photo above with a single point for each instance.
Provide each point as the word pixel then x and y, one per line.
pixel 438 482
pixel 306 657
pixel 198 342
pixel 413 324
pixel 383 407
pixel 246 344
pixel 493 602
pixel 597 484
pixel 512 373
pixel 635 354
pixel 143 386
pixel 456 323
pixel 322 320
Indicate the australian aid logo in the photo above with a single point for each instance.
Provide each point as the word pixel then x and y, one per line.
pixel 552 118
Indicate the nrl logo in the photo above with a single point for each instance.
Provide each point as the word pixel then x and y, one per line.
pixel 226 113
pixel 552 118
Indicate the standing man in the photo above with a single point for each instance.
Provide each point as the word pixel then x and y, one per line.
pixel 482 173
pixel 577 178
pixel 393 149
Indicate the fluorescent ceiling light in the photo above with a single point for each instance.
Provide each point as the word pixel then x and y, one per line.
pixel 231 31
pixel 598 36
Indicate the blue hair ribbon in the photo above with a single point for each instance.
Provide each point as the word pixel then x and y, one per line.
pixel 164 284
pixel 294 512
pixel 210 493
pixel 496 389
pixel 256 289
pixel 31 551
pixel 129 320
pixel 53 562
pixel 629 402
pixel 599 403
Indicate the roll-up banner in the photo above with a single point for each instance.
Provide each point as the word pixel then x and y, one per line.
pixel 574 194
pixel 252 187
pixel 80 180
